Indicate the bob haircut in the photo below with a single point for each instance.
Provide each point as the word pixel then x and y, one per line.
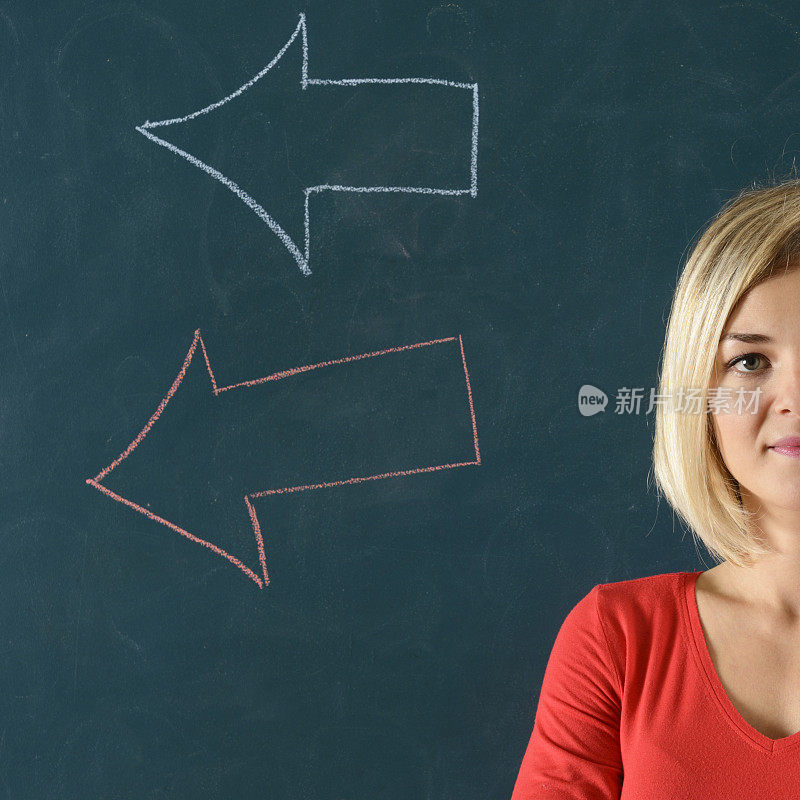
pixel 754 236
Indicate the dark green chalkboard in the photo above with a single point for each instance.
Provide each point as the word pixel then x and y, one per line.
pixel 361 498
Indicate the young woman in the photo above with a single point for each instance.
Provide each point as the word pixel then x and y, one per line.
pixel 687 685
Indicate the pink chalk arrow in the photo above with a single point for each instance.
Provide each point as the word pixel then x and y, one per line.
pixel 256 451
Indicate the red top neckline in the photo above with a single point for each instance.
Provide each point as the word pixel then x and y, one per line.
pixel 700 649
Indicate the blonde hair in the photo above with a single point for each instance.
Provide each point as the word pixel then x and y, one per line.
pixel 755 234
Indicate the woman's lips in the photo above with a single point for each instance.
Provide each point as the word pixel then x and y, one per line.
pixel 792 452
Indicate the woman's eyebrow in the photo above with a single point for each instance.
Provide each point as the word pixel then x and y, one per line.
pixel 749 338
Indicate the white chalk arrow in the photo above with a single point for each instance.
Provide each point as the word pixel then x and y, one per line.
pixel 302 256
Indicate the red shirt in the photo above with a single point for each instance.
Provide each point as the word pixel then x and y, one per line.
pixel 631 707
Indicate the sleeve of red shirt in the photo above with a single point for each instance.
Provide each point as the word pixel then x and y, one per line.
pixel 574 750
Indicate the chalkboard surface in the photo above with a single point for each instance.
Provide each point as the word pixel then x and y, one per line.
pixel 296 304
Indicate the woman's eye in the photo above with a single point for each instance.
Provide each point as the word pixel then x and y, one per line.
pixel 741 359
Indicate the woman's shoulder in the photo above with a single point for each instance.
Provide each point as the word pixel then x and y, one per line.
pixel 646 607
pixel 631 610
pixel 639 616
pixel 647 592
pixel 648 586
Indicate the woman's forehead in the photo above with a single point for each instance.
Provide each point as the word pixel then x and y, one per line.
pixel 772 299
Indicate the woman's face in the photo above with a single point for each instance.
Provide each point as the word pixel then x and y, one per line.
pixel 768 479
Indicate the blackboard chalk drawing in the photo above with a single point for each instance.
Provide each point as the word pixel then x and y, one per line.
pixel 262 579
pixel 302 256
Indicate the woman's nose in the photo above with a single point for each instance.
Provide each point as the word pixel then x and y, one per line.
pixel 787 391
